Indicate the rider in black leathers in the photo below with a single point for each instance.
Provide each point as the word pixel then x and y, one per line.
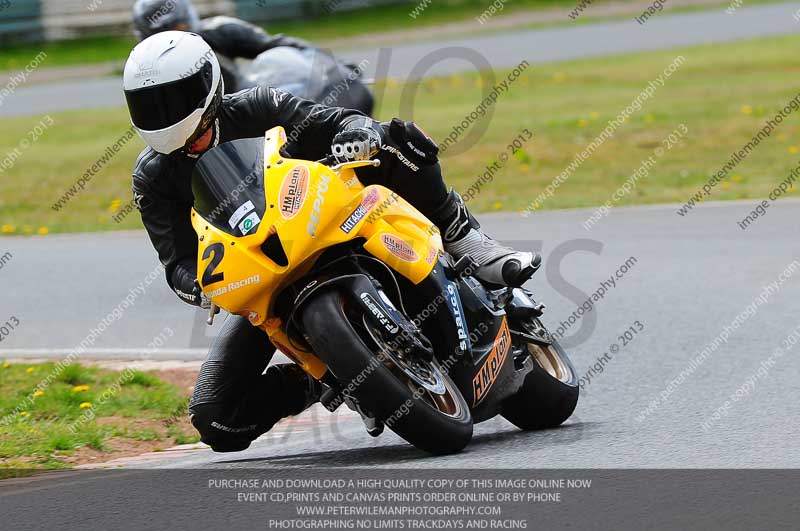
pixel 235 399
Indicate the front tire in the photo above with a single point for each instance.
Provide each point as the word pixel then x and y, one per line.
pixel 549 394
pixel 436 424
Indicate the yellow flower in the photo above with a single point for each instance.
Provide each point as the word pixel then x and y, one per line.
pixel 29 370
pixel 6 365
pixel 582 123
pixel 84 405
pixel 115 204
pixel 43 230
pixel 497 205
pixel 737 178
pixel 23 413
pixel 793 149
pixel 8 229
pixel 746 109
pixel 79 388
pixel 38 393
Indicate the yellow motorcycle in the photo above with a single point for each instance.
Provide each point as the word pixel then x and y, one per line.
pixel 351 282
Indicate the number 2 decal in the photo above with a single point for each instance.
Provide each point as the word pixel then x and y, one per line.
pixel 209 276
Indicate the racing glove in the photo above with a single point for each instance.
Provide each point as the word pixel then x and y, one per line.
pixel 359 141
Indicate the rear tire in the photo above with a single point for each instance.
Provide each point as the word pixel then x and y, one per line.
pixel 549 394
pixel 376 388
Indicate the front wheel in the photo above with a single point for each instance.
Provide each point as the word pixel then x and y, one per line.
pixel 414 398
pixel 549 394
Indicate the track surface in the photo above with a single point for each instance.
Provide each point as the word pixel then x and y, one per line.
pixel 501 50
pixel 693 276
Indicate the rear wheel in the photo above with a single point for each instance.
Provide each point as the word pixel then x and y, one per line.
pixel 415 398
pixel 549 394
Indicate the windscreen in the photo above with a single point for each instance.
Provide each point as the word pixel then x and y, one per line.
pixel 228 186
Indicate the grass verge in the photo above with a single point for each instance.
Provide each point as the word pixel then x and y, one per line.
pixel 723 94
pixel 86 414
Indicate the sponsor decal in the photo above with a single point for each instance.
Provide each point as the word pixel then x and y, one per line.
pixel 455 305
pixel 233 286
pixel 294 189
pixel 241 212
pixel 369 201
pixel 376 310
pixel 399 247
pixel 316 210
pixel 491 368
pixel 249 223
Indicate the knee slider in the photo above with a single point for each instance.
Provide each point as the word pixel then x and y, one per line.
pixel 215 434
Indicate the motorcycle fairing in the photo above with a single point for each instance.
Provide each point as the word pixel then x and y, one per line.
pixel 308 208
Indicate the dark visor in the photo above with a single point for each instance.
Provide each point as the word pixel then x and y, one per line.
pixel 161 106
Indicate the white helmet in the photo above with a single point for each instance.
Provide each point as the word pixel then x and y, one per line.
pixel 173 86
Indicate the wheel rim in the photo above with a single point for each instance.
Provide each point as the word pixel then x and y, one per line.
pixel 423 378
pixel 547 356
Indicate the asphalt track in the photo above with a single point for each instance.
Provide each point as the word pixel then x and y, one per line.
pixel 498 50
pixel 692 277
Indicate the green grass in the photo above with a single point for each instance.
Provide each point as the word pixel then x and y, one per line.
pixel 102 406
pixel 565 105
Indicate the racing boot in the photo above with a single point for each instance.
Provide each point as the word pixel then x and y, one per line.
pixel 462 235
pixel 301 390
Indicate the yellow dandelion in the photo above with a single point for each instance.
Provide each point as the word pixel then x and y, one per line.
pixel 582 123
pixel 29 370
pixel 79 388
pixel 84 405
pixel 497 205
pixel 38 393
pixel 43 230
pixel 6 365
pixel 23 413
pixel 793 149
pixel 6 229
pixel 114 206
pixel 746 109
pixel 737 178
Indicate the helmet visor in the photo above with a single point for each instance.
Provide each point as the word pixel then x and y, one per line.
pixel 162 106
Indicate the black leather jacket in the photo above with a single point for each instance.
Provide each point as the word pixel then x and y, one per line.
pixel 162 183
pixel 231 38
